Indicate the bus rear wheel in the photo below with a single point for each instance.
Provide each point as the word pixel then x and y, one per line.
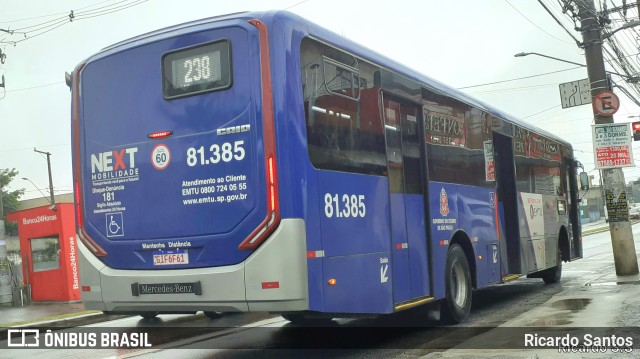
pixel 149 315
pixel 457 303
pixel 553 275
pixel 213 315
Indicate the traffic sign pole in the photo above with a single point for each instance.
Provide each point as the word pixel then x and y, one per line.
pixel 624 252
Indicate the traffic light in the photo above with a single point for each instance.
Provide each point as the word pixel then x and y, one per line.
pixel 635 127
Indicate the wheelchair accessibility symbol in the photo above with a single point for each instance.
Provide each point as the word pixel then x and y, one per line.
pixel 115 226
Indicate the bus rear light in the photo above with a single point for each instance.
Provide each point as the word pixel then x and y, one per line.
pixel 272 217
pixel 272 187
pixel 91 244
pixel 160 134
pixel 77 171
pixel 77 204
pixel 86 288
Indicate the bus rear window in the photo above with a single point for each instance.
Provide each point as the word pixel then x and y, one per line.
pixel 196 70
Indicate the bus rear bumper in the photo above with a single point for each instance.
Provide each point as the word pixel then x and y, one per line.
pixel 273 278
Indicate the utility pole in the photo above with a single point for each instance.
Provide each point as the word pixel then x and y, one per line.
pixel 53 200
pixel 624 252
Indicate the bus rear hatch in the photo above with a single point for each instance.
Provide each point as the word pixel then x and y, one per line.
pixel 173 168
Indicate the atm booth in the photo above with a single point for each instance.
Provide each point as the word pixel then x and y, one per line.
pixel 49 251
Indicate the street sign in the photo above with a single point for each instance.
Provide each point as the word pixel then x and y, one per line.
pixel 606 103
pixel 575 93
pixel 612 145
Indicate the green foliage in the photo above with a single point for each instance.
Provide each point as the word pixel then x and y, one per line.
pixel 10 199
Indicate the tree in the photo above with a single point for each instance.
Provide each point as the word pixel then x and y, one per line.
pixel 9 198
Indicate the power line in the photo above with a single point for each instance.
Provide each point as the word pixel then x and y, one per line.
pixel 50 25
pixel 31 147
pixel 59 13
pixel 559 23
pixel 537 113
pixel 534 24
pixel 522 88
pixel 35 87
pixel 296 4
pixel 519 78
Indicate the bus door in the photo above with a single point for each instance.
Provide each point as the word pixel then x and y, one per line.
pixel 406 201
pixel 571 184
pixel 510 247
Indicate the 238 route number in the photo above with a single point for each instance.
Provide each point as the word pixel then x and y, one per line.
pixel 344 206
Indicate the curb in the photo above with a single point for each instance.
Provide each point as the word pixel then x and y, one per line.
pixel 595 230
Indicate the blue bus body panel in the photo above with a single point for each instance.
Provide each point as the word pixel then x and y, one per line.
pixel 198 201
pixel 417 240
pixel 344 234
pixel 356 249
pixel 359 287
pixel 401 268
pixel 459 207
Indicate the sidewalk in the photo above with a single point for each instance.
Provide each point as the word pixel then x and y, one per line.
pixel 604 306
pixel 12 316
pixel 595 227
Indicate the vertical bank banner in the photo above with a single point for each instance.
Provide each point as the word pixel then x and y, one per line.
pixel 612 145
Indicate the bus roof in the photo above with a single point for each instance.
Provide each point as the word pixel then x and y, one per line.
pixel 339 41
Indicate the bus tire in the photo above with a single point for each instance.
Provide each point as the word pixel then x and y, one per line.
pixel 457 302
pixel 553 275
pixel 213 315
pixel 149 315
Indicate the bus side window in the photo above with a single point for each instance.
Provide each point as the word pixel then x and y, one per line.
pixel 344 127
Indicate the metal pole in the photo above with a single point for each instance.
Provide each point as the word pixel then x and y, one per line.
pixel 624 252
pixel 53 200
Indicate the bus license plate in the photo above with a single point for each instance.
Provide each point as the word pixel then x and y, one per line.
pixel 167 258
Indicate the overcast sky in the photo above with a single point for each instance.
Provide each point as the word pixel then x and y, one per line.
pixel 462 43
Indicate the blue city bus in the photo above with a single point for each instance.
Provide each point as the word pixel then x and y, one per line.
pixel 258 162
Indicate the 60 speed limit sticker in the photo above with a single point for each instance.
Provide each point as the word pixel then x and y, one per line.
pixel 160 157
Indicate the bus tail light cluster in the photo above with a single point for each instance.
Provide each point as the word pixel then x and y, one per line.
pixel 272 219
pixel 272 186
pixel 270 223
pixel 77 172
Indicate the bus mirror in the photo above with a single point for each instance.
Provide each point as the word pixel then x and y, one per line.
pixel 67 79
pixel 584 181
